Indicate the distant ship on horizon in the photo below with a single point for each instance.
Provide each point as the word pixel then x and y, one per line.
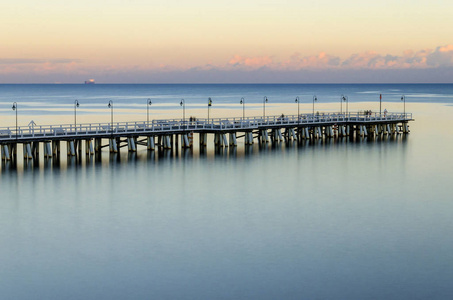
pixel 89 81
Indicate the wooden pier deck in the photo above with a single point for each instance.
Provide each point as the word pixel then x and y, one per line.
pixel 165 133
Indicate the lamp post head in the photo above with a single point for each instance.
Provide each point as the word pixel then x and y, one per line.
pixel 265 99
pixel 76 103
pixel 242 100
pixel 14 106
pixel 149 102
pixel 182 102
pixel 315 98
pixel 297 99
pixel 110 104
pixel 403 97
pixel 209 101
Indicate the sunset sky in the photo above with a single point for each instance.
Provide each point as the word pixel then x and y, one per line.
pixel 139 41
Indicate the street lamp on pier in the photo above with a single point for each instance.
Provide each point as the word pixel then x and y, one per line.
pixel 345 98
pixel 111 114
pixel 314 99
pixel 15 109
pixel 183 104
pixel 298 110
pixel 403 98
pixel 148 104
pixel 264 107
pixel 243 108
pixel 209 106
pixel 76 104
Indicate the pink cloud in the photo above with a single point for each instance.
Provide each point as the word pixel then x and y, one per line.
pixel 433 59
pixel 440 57
pixel 322 60
pixel 18 65
pixel 253 62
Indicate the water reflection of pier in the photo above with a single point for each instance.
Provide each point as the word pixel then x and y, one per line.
pixel 160 155
pixel 168 136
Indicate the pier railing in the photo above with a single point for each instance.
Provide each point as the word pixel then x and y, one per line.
pixel 191 124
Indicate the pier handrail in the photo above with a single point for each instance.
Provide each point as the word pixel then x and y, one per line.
pixel 91 130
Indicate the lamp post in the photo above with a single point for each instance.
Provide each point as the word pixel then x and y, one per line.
pixel 298 114
pixel 183 104
pixel 76 104
pixel 345 99
pixel 403 98
pixel 148 104
pixel 111 114
pixel 264 107
pixel 209 105
pixel 380 105
pixel 243 108
pixel 314 99
pixel 15 109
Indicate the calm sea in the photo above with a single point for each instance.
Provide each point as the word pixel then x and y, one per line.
pixel 370 219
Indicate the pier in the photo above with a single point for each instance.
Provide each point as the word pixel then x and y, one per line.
pixel 174 133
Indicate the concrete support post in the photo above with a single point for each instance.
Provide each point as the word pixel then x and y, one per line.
pixel 47 149
pixel 150 143
pixel 293 133
pixel 71 148
pixel 159 141
pixel 225 140
pixel 219 139
pixel 233 141
pixel 342 130
pixel 113 146
pixel 5 152
pixel 279 135
pixel 27 151
pixel 97 145
pixel 264 136
pixel 248 138
pixel 185 141
pixel 203 139
pixel 131 144
pixel 56 148
pixel 394 128
pixel 89 147
pixel 405 128
pixel 305 133
pixel 35 149
pixel 317 131
pixel 164 142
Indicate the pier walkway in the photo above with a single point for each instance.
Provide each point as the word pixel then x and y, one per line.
pixel 263 129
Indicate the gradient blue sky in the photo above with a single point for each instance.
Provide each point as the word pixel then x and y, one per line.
pixel 226 41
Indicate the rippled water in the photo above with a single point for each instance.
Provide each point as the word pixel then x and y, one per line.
pixel 331 219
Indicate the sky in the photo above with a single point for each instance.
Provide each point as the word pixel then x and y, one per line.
pixel 200 41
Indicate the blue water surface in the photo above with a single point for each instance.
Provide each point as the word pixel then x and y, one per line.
pixel 329 219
